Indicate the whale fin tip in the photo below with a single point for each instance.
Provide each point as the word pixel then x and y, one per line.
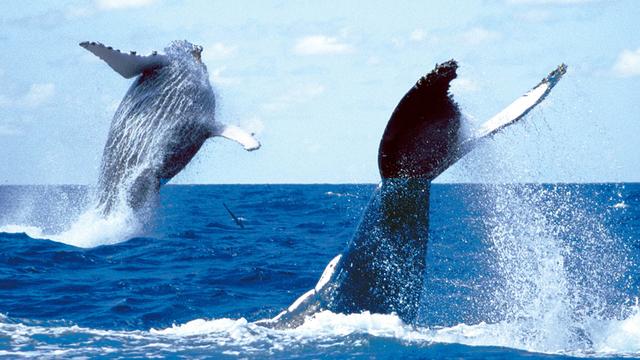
pixel 238 135
pixel 521 106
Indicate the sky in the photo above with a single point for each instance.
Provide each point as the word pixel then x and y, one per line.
pixel 317 82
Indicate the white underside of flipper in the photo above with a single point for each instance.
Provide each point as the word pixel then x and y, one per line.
pixel 513 111
pixel 327 274
pixel 238 135
pixel 519 108
pixel 127 65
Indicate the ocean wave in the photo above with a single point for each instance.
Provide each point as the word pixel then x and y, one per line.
pixel 338 194
pixel 323 330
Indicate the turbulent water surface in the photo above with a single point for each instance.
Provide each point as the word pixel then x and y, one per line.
pixel 513 271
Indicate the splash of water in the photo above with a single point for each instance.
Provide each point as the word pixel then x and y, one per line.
pixel 93 228
pixel 536 297
pixel 325 330
pixel 90 229
pixel 558 265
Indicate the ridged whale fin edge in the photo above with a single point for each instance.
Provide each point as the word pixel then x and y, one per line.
pixel 126 64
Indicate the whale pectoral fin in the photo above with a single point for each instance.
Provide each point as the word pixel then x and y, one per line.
pixel 238 135
pixel 516 110
pixel 127 65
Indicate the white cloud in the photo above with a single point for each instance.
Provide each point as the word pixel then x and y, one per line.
pixel 536 15
pixel 9 130
pixel 217 77
pixel 479 35
pixel 122 4
pixel 298 95
pixel 320 45
pixel 218 51
pixel 418 35
pixel 628 63
pixel 38 94
pixel 373 60
pixel 76 12
pixel 85 10
pixel 397 42
pixel 12 127
pixel 550 2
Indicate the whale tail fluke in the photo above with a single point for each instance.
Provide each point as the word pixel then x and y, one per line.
pixel 423 138
pixel 383 268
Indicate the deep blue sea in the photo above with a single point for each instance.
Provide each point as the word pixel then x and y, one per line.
pixel 535 271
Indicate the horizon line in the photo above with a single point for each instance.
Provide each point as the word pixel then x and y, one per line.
pixel 354 183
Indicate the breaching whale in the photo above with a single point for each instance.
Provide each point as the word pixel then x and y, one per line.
pixel 382 269
pixel 161 123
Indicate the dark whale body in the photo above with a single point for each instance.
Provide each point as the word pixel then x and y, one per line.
pixel 161 123
pixel 382 269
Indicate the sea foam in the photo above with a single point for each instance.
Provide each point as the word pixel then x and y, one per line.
pixel 324 329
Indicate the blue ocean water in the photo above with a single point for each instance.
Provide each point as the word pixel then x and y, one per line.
pixel 530 271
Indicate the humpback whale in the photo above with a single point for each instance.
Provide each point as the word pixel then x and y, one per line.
pixel 382 269
pixel 161 123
